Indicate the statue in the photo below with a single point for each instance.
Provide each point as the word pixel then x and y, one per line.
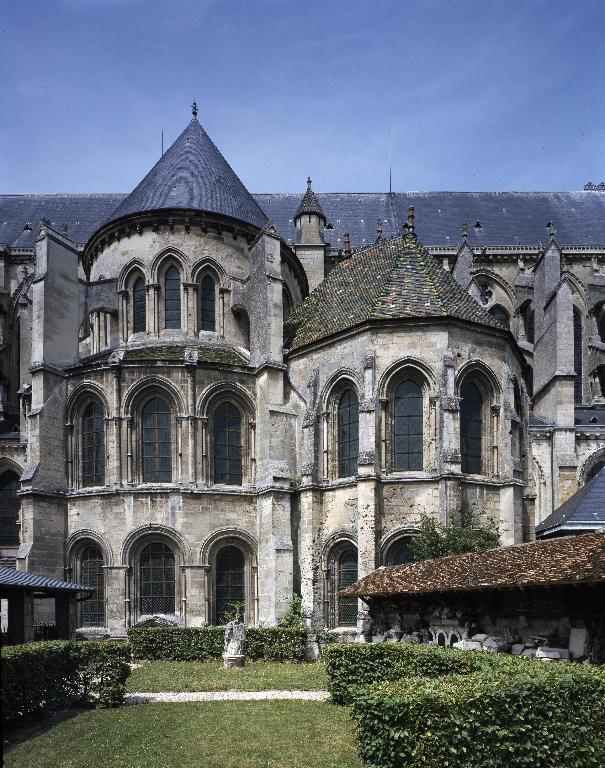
pixel 235 635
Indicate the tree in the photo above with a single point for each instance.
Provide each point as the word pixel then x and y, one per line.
pixel 469 534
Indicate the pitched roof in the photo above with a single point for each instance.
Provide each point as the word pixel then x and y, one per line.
pixel 506 218
pixel 583 511
pixel 194 175
pixel 309 203
pixel 561 561
pixel 393 279
pixel 9 577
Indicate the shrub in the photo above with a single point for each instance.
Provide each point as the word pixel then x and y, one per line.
pixel 293 617
pixel 488 719
pixel 202 643
pixel 359 664
pixel 39 677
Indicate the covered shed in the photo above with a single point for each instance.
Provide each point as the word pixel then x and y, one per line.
pixel 544 593
pixel 20 588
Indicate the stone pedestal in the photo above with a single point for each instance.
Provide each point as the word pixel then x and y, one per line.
pixel 233 662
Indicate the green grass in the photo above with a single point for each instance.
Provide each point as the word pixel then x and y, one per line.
pixel 229 734
pixel 156 676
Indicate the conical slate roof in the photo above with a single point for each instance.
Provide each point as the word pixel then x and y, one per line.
pixel 583 511
pixel 193 175
pixel 309 203
pixel 395 279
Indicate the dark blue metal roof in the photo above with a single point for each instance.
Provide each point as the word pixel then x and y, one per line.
pixel 193 175
pixel 583 511
pixel 506 218
pixel 9 577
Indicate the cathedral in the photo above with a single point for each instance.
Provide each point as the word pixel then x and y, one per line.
pixel 213 398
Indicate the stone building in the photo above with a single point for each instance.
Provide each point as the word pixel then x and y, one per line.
pixel 183 429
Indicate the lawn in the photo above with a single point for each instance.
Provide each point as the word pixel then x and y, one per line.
pixel 154 676
pixel 229 734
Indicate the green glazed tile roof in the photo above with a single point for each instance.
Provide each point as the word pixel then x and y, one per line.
pixel 396 279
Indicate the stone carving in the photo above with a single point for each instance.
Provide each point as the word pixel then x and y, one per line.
pixel 116 357
pixel 366 457
pixel 191 355
pixel 235 636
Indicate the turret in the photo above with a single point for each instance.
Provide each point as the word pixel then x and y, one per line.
pixel 310 221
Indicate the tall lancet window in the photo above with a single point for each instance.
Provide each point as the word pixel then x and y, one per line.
pixel 577 353
pixel 172 298
pixel 207 304
pixel 139 309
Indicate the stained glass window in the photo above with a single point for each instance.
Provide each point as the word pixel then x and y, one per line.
pixel 471 423
pixel 577 354
pixel 348 433
pixel 407 426
pixel 399 553
pixel 207 301
pixel 139 306
pixel 501 315
pixel 172 298
pixel 227 436
pixel 92 611
pixel 93 445
pixel 157 579
pixel 157 442
pixel 230 582
pixel 346 574
pixel 9 509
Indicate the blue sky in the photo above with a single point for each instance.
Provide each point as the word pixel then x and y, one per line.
pixel 477 94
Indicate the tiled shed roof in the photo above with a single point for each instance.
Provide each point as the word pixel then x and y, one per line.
pixel 565 560
pixel 9 577
pixel 395 279
pixel 583 511
pixel 193 174
pixel 506 218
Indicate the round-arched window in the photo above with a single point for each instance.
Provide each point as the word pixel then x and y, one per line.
pixel 93 444
pixel 471 426
pixel 348 433
pixel 157 579
pixel 227 448
pixel 157 442
pixel 139 306
pixel 9 509
pixel 92 610
pixel 230 584
pixel 407 426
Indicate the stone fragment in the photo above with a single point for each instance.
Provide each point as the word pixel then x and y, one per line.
pixel 496 645
pixel 481 638
pixel 517 649
pixel 551 653
pixel 577 642
pixel 468 645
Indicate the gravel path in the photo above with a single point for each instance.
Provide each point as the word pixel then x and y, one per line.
pixel 147 698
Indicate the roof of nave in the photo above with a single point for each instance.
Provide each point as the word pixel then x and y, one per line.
pixel 506 218
pixel 192 174
pixel 394 279
pixel 564 561
pixel 584 510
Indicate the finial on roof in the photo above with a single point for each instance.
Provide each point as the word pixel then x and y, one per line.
pixel 308 182
pixel 310 204
pixel 194 109
pixel 464 231
pixel 378 230
pixel 409 227
pixel 551 230
pixel 347 246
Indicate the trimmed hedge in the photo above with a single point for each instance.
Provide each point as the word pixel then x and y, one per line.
pixel 202 643
pixel 40 677
pixel 359 664
pixel 546 715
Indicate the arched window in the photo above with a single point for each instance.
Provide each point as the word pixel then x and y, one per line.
pixel 92 611
pixel 93 444
pixel 172 298
pixel 343 573
pixel 227 448
pixel 399 552
pixel 577 354
pixel 9 509
pixel 157 442
pixel 348 433
pixel 230 581
pixel 471 423
pixel 594 470
pixel 139 306
pixel 528 320
pixel 207 304
pixel 501 315
pixel 157 579
pixel 407 426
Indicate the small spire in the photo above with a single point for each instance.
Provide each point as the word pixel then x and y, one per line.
pixel 194 109
pixel 409 227
pixel 308 182
pixel 551 230
pixel 464 231
pixel 378 230
pixel 347 246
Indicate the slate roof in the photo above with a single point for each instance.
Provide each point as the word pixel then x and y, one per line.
pixel 505 217
pixel 9 577
pixel 309 203
pixel 583 511
pixel 560 561
pixel 395 279
pixel 192 174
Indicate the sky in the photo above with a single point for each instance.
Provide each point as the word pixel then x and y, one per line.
pixel 460 95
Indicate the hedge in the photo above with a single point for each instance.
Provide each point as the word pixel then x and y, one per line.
pixel 44 676
pixel 359 664
pixel 546 715
pixel 202 643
